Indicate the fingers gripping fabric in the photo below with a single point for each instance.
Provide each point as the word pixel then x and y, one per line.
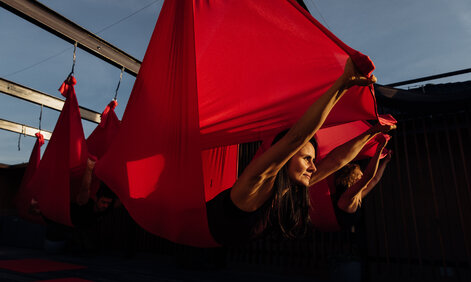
pixel 217 73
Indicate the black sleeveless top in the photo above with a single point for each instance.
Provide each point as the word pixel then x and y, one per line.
pixel 230 225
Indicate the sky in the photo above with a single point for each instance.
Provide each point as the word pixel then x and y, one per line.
pixel 405 40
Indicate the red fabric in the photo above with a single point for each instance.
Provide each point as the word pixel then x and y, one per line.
pixel 37 265
pixel 59 174
pixel 25 193
pixel 218 73
pixel 99 141
pixel 219 169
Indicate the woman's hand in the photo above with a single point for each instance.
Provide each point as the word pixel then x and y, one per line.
pixel 388 157
pixel 90 163
pixel 383 128
pixel 351 76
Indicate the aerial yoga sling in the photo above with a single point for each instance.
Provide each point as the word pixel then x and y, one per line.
pixel 54 194
pixel 59 174
pixel 217 74
pixel 100 139
pixel 25 192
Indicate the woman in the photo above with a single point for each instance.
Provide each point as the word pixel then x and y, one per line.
pixel 272 190
pixel 352 185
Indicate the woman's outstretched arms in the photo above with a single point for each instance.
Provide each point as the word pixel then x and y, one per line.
pixel 377 177
pixel 255 185
pixel 346 152
pixel 350 200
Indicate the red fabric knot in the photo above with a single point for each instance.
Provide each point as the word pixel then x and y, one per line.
pixel 69 82
pixel 113 104
pixel 363 63
pixel 104 116
pixel 40 138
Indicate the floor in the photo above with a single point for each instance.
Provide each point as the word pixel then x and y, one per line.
pixel 141 267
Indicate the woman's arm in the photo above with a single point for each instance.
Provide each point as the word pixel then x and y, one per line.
pixel 378 175
pixel 346 152
pixel 84 193
pixel 350 200
pixel 255 185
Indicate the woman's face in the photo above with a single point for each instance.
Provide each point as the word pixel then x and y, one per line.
pixel 301 165
pixel 356 175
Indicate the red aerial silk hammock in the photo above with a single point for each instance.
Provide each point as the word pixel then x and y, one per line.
pixel 218 73
pixel 322 211
pixel 25 193
pixel 59 174
pixel 99 141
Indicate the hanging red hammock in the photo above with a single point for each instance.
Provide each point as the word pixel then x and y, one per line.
pixel 218 73
pixel 100 139
pixel 59 174
pixel 25 193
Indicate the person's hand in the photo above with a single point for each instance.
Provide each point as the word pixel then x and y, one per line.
pixel 90 163
pixel 388 157
pixel 352 76
pixel 34 207
pixel 383 128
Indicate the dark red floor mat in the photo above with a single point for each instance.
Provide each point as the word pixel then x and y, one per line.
pixel 37 265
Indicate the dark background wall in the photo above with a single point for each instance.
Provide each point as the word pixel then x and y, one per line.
pixel 416 224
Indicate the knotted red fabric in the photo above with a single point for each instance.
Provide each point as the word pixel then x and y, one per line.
pixel 59 174
pixel 99 141
pixel 25 193
pixel 218 73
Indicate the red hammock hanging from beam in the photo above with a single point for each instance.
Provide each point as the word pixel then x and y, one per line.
pixel 218 73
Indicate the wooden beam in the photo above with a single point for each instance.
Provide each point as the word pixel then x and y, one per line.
pixel 23 129
pixel 42 16
pixel 44 99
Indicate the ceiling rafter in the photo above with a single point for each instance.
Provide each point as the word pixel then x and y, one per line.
pixel 42 16
pixel 23 129
pixel 40 98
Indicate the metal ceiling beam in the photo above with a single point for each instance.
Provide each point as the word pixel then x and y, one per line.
pixel 34 96
pixel 431 77
pixel 42 16
pixel 23 129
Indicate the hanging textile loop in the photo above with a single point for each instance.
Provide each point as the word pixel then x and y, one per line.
pixel 40 117
pixel 23 131
pixel 119 83
pixel 74 57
